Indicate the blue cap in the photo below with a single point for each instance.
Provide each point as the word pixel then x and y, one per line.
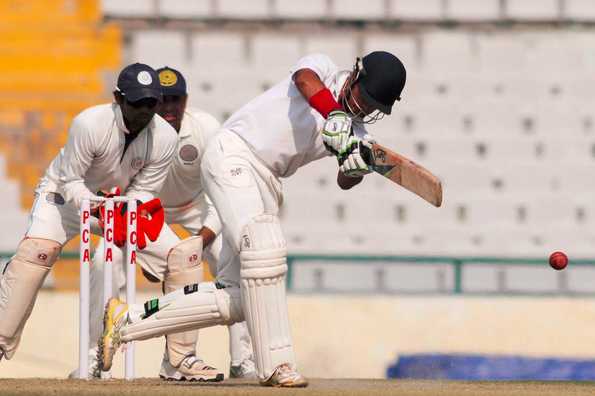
pixel 138 81
pixel 172 82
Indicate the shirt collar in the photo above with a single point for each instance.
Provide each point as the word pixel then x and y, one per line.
pixel 120 118
pixel 185 127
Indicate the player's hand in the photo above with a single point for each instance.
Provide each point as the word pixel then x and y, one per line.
pixel 352 164
pixel 336 131
pixel 96 207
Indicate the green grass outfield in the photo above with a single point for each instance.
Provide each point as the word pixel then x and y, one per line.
pixel 338 387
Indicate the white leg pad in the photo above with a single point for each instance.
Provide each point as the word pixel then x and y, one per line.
pixel 193 307
pixel 184 268
pixel 19 286
pixel 263 257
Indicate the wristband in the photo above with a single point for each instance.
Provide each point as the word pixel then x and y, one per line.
pixel 324 102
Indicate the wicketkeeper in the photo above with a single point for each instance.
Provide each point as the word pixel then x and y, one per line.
pixel 185 203
pixel 117 144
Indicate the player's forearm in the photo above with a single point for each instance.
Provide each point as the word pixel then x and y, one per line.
pixel 208 236
pixel 75 191
pixel 347 182
pixel 315 92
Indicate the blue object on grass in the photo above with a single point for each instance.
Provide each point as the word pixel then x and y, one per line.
pixel 486 367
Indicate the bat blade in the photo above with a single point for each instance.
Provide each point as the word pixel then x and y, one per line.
pixel 403 171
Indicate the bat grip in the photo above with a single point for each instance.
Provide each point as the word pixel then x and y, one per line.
pixel 366 153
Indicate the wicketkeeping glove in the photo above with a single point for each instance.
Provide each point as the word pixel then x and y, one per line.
pixel 150 220
pixel 151 217
pixel 336 131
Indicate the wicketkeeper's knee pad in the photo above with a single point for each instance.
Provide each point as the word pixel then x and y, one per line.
pixel 19 285
pixel 263 256
pixel 184 264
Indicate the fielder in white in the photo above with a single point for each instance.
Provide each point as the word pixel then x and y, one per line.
pixel 118 144
pixel 186 204
pixel 317 111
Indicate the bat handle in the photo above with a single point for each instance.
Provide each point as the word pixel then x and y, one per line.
pixel 366 153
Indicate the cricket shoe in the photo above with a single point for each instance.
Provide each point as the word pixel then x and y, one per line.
pixel 190 369
pixel 94 371
pixel 285 377
pixel 114 317
pixel 246 369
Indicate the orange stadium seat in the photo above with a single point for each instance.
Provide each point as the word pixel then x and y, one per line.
pixel 43 86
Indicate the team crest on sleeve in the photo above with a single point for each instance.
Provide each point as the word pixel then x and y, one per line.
pixel 168 78
pixel 137 163
pixel 188 153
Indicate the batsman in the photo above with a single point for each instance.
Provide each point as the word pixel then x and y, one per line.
pixel 116 144
pixel 316 111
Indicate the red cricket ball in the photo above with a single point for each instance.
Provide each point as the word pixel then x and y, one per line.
pixel 558 260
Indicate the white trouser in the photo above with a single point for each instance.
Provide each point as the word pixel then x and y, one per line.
pixel 239 184
pixel 247 197
pixel 51 218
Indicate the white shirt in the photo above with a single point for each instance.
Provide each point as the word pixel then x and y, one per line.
pixel 281 127
pixel 183 184
pixel 93 158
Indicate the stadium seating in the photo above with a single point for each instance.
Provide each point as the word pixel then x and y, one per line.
pixel 533 9
pixel 42 86
pixel 355 9
pixel 243 9
pixel 473 10
pixel 504 141
pixel 137 8
pixel 303 9
pixel 413 9
pixel 579 9
pixel 495 114
pixel 172 8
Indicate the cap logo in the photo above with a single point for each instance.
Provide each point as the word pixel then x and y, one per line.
pixel 168 78
pixel 144 78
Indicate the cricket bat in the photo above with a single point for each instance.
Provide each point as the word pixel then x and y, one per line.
pixel 403 171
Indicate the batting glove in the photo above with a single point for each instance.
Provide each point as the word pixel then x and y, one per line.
pixel 336 131
pixel 353 165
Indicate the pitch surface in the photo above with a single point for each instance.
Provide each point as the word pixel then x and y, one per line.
pixel 328 387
